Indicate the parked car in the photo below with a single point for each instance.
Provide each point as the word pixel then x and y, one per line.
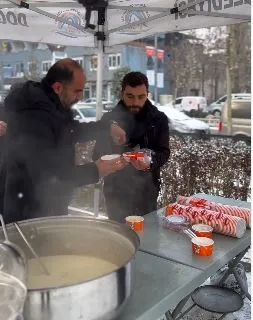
pixel 182 123
pixel 241 119
pixel 83 112
pixel 190 103
pixel 215 108
pixel 106 103
pixel 3 95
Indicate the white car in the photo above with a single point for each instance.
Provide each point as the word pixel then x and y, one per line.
pixel 191 103
pixel 84 113
pixel 93 102
pixel 182 123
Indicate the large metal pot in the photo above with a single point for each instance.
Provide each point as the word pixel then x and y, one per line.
pixel 102 298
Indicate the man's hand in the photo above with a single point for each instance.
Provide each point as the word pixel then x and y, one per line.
pixel 118 134
pixel 3 128
pixel 106 167
pixel 140 164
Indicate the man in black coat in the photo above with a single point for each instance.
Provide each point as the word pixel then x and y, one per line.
pixel 38 173
pixel 134 189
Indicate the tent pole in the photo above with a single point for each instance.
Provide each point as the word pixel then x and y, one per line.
pixel 156 69
pixel 99 83
pixel 99 109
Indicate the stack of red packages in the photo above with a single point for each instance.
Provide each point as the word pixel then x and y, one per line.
pixel 243 213
pixel 222 223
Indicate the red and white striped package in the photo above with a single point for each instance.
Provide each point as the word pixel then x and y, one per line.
pixel 222 223
pixel 243 213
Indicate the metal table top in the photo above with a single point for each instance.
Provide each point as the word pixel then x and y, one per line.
pixel 176 247
pixel 160 284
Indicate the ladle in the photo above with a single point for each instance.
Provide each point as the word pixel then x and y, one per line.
pixel 31 249
pixel 4 228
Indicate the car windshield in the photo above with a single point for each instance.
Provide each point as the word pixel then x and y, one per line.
pixel 173 114
pixel 88 112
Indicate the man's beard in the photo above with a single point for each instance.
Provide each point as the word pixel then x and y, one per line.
pixel 135 109
pixel 67 104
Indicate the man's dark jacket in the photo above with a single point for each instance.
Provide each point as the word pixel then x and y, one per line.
pixel 38 171
pixel 135 190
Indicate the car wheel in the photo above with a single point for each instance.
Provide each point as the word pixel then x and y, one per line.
pixel 217 113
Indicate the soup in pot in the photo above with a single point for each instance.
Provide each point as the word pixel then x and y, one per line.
pixel 66 270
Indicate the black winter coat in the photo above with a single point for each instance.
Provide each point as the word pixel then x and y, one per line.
pixel 38 172
pixel 148 129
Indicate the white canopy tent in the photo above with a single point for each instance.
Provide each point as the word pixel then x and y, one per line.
pixel 101 23
pixel 64 22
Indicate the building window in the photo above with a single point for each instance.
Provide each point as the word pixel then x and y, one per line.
pixel 8 72
pixel 19 70
pixel 94 63
pixel 80 61
pixel 114 61
pixel 32 68
pixel 46 66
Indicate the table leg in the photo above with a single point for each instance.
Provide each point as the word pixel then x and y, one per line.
pixel 178 309
pixel 233 267
pixel 238 270
pixel 168 316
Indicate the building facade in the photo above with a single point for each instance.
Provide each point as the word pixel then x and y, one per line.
pixel 33 63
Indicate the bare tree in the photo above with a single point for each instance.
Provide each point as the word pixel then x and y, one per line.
pixel 241 58
pixel 118 75
pixel 198 62
pixel 182 67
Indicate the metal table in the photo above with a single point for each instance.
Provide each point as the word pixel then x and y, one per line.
pixel 167 272
pixel 176 247
pixel 160 284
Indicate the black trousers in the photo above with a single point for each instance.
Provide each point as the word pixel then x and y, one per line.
pixel 119 205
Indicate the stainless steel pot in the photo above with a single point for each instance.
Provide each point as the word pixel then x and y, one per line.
pixel 102 298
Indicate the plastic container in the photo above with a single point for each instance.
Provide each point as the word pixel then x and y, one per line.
pixel 175 222
pixel 13 275
pixel 12 297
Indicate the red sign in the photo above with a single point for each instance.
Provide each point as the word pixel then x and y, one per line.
pixel 160 54
pixel 150 51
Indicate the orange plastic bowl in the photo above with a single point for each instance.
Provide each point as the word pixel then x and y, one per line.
pixel 168 210
pixel 203 230
pixel 135 222
pixel 202 246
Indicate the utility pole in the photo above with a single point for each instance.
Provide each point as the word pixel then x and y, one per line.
pixel 230 39
pixel 156 69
